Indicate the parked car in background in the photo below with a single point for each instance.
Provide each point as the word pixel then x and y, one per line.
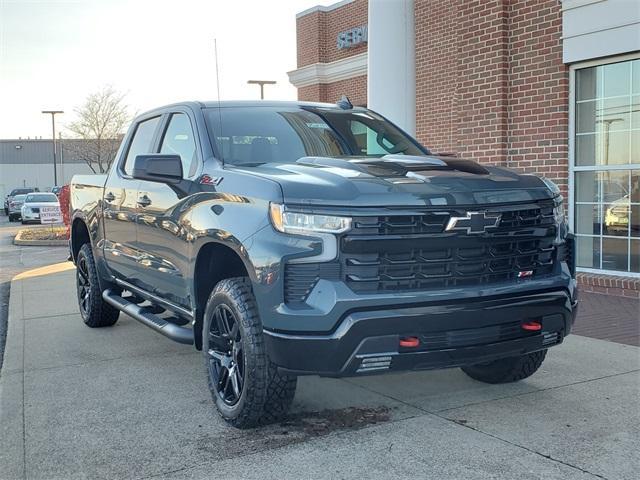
pixel 15 207
pixel 34 202
pixel 13 193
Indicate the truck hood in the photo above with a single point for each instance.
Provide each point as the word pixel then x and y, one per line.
pixel 398 180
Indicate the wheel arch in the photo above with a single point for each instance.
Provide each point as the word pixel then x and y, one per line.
pixel 214 262
pixel 79 236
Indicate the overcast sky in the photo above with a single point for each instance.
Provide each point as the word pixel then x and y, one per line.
pixel 55 52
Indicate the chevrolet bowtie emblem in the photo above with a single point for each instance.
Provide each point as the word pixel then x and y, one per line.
pixel 474 222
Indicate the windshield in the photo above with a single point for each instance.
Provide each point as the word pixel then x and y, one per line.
pixel 256 135
pixel 19 198
pixel 19 191
pixel 41 197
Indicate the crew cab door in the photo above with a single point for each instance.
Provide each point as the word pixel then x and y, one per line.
pixel 161 238
pixel 120 203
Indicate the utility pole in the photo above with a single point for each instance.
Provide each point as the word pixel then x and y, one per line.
pixel 53 126
pixel 61 153
pixel 262 83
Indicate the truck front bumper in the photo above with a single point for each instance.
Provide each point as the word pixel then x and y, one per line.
pixel 449 334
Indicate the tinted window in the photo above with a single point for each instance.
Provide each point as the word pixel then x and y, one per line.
pixel 178 139
pixel 253 135
pixel 41 197
pixel 141 142
pixel 20 191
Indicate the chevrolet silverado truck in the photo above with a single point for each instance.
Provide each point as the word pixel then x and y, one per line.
pixel 289 238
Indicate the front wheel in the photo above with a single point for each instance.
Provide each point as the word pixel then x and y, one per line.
pixel 506 370
pixel 247 388
pixel 94 310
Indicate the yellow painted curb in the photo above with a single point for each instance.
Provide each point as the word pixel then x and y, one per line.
pixel 48 270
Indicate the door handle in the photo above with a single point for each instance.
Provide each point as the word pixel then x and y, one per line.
pixel 144 201
pixel 110 197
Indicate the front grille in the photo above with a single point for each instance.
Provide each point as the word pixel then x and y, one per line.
pixel 35 210
pixel 471 336
pixel 404 253
pixel 395 253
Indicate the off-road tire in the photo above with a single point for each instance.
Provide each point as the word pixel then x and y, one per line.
pixel 97 313
pixel 266 393
pixel 506 370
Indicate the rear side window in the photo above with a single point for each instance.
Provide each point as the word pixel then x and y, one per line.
pixel 141 142
pixel 178 139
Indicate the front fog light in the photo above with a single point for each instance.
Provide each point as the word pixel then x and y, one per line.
pixel 294 222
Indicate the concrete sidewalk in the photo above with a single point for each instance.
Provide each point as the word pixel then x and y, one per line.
pixel 124 402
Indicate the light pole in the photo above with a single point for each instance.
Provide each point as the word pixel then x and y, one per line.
pixel 53 126
pixel 262 83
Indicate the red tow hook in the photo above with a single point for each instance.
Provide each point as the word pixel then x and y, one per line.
pixel 531 326
pixel 409 342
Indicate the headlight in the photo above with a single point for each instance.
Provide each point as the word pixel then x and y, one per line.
pixel 558 211
pixel 293 222
pixel 551 185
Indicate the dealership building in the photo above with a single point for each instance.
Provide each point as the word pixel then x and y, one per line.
pixel 548 87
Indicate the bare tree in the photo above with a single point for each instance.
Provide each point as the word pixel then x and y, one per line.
pixel 99 127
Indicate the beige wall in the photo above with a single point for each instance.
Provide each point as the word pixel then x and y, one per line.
pixel 36 175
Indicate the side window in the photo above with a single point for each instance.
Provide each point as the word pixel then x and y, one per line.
pixel 178 139
pixel 141 142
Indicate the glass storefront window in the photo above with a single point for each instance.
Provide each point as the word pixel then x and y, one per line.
pixel 606 166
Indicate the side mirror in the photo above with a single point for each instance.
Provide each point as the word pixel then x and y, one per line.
pixel 161 168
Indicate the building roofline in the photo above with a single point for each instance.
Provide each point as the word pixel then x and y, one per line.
pixel 323 8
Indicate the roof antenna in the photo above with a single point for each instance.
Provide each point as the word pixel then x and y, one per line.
pixel 215 51
pixel 344 103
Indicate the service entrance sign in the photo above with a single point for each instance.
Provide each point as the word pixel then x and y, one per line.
pixel 50 214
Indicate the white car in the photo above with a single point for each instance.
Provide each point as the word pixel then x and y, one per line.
pixel 34 202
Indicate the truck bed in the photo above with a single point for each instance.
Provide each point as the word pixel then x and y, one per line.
pixel 86 192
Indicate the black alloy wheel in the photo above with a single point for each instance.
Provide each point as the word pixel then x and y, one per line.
pixel 94 310
pixel 247 388
pixel 84 286
pixel 226 355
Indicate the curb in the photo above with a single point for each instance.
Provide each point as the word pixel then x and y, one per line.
pixel 12 432
pixel 38 243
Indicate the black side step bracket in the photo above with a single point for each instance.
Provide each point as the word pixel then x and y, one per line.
pixel 144 316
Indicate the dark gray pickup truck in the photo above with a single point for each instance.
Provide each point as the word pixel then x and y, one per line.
pixel 286 239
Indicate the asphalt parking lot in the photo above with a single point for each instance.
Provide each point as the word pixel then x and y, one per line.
pixel 124 402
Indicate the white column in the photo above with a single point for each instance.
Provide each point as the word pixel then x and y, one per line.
pixel 391 73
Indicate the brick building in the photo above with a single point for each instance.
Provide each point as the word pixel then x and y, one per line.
pixel 550 87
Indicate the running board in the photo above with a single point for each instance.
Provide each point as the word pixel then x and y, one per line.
pixel 144 316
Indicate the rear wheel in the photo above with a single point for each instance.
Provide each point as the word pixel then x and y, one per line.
pixel 506 370
pixel 246 387
pixel 94 310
